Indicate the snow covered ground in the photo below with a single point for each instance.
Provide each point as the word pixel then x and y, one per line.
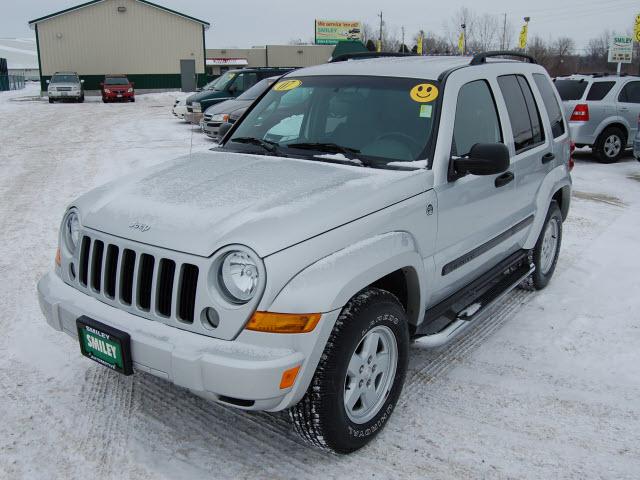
pixel 547 387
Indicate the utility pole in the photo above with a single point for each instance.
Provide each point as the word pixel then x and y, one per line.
pixel 503 45
pixel 380 35
pixel 402 45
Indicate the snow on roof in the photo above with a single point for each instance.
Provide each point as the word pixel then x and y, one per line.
pixel 21 53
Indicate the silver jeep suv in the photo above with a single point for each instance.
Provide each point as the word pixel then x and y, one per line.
pixel 603 112
pixel 65 86
pixel 356 206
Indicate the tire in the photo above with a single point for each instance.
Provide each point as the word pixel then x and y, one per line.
pixel 51 100
pixel 321 418
pixel 133 100
pixel 610 145
pixel 81 99
pixel 545 260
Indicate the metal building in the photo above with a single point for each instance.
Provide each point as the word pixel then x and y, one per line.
pixel 156 47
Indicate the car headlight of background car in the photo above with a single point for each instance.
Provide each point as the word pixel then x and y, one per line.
pixel 220 117
pixel 71 231
pixel 106 90
pixel 239 276
pixel 130 90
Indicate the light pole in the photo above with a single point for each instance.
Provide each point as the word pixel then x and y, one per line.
pixel 464 38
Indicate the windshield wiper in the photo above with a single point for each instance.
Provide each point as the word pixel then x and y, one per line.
pixel 325 147
pixel 269 146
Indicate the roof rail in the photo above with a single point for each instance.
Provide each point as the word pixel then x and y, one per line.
pixel 481 58
pixel 363 55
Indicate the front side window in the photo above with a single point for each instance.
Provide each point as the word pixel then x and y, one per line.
pixel 630 93
pixel 374 119
pixel 523 112
pixel 223 82
pixel 243 82
pixel 477 118
pixel 556 117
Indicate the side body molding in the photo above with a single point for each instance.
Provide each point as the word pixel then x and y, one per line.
pixel 329 283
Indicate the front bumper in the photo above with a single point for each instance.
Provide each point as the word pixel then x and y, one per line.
pixel 244 373
pixel 64 95
pixel 210 128
pixel 113 97
pixel 193 117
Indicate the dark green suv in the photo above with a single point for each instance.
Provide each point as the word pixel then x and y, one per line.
pixel 231 84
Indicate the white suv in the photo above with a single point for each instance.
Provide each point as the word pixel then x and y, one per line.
pixel 356 205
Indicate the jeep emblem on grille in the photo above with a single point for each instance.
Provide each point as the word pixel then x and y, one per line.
pixel 143 227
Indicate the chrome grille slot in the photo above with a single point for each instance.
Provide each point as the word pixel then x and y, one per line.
pixel 84 260
pixel 187 292
pixel 110 271
pixel 96 264
pixel 166 274
pixel 126 282
pixel 145 279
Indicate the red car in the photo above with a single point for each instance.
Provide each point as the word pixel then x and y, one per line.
pixel 117 88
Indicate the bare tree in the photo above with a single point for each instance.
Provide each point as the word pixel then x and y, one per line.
pixel 486 33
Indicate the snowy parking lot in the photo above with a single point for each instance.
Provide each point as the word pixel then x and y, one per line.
pixel 547 387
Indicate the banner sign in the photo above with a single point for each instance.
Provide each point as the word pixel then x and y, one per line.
pixel 330 32
pixel 621 49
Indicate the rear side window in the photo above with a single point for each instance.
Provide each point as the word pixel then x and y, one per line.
pixel 571 89
pixel 599 90
pixel 523 112
pixel 554 111
pixel 630 93
pixel 477 118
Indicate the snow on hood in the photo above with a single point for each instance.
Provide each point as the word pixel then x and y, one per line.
pixel 200 203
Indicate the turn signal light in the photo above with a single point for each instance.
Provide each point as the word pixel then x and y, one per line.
pixel 289 377
pixel 58 259
pixel 580 113
pixel 283 322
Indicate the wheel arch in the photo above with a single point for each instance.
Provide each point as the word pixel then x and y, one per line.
pixel 617 123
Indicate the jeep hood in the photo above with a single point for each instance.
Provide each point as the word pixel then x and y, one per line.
pixel 200 203
pixel 208 95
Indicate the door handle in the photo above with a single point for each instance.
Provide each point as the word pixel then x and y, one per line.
pixel 503 179
pixel 547 157
pixel 623 109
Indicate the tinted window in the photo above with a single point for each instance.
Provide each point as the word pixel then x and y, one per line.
pixel 244 81
pixel 65 79
pixel 523 135
pixel 534 112
pixel 630 93
pixel 571 89
pixel 554 111
pixel 257 90
pixel 599 90
pixel 116 81
pixel 476 118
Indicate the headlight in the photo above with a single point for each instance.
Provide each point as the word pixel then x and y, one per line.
pixel 130 90
pixel 220 117
pixel 239 276
pixel 106 90
pixel 71 231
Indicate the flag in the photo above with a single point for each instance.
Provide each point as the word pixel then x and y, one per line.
pixel 420 40
pixel 461 43
pixel 378 46
pixel 636 29
pixel 522 41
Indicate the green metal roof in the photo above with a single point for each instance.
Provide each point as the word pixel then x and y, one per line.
pixel 86 4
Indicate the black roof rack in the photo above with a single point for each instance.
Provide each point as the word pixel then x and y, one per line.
pixel 363 55
pixel 481 58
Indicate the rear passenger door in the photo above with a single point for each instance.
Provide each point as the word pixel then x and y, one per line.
pixel 629 106
pixel 533 155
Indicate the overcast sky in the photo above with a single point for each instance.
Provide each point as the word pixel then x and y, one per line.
pixel 244 23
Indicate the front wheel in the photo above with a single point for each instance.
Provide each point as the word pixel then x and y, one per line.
pixel 545 254
pixel 360 375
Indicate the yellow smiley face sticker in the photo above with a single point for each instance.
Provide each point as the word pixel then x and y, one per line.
pixel 424 92
pixel 287 85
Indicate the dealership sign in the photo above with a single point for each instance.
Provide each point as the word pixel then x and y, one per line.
pixel 621 49
pixel 330 32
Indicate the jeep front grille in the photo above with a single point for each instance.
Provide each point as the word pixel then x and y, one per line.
pixel 138 280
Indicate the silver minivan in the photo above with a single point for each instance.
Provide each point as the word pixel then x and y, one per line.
pixel 603 112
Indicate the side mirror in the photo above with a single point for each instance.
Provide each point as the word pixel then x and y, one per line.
pixel 48 81
pixel 483 159
pixel 223 129
pixel 82 81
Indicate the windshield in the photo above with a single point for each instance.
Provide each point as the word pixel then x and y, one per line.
pixel 257 90
pixel 378 119
pixel 64 79
pixel 211 84
pixel 116 81
pixel 571 89
pixel 224 81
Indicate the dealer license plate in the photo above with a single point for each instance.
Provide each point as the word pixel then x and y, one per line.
pixel 104 344
pixel 119 95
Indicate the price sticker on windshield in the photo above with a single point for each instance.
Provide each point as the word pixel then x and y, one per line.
pixel 424 92
pixel 287 85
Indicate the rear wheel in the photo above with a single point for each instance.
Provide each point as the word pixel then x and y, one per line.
pixel 360 376
pixel 545 254
pixel 50 100
pixel 610 145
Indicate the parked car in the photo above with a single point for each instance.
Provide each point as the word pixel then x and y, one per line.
pixel 117 88
pixel 65 86
pixel 603 111
pixel 636 142
pixel 355 206
pixel 229 85
pixel 179 108
pixel 219 113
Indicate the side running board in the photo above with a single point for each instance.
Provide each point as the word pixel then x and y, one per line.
pixel 476 299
